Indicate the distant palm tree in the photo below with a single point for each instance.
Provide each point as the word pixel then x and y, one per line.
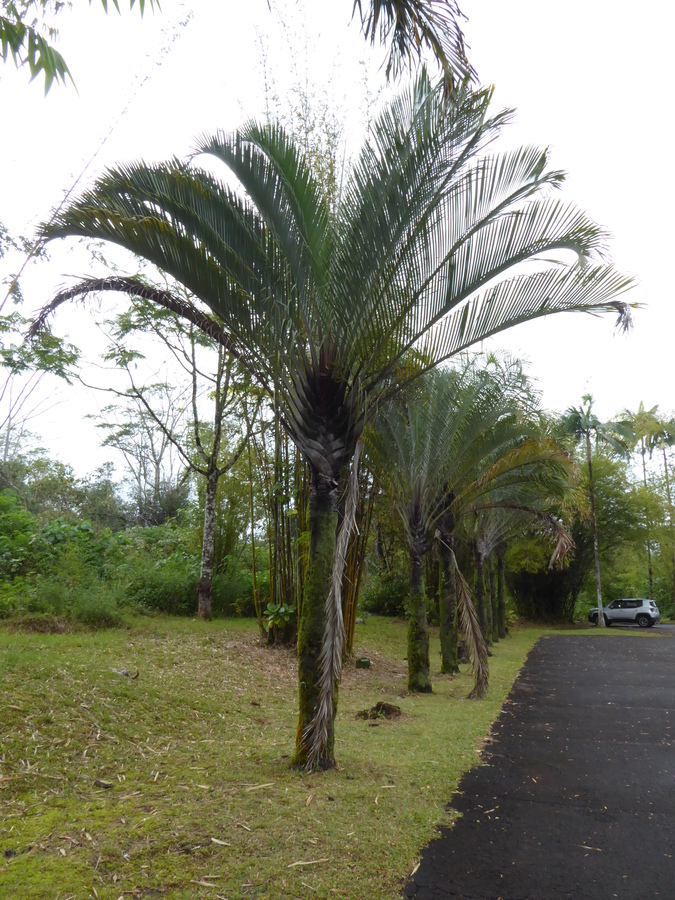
pixel 645 429
pixel 664 440
pixel 322 303
pixel 584 426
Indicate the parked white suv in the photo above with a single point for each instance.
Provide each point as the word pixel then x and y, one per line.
pixel 644 613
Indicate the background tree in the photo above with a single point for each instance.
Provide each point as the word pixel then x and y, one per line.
pixel 141 437
pixel 173 419
pixel 28 32
pixel 583 425
pixel 644 429
pixel 664 440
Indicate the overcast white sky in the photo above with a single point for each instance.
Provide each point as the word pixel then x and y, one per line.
pixel 593 80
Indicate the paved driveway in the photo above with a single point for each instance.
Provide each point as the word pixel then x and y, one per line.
pixel 578 795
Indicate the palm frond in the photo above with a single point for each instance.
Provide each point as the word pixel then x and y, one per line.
pixel 410 25
pixel 470 627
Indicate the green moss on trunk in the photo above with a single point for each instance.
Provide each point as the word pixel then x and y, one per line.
pixel 494 605
pixel 447 616
pixel 418 631
pixel 501 592
pixel 480 596
pixel 323 519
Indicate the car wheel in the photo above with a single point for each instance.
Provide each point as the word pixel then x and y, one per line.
pixel 608 622
pixel 594 620
pixel 644 621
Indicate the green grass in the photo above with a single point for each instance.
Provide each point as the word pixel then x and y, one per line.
pixel 202 801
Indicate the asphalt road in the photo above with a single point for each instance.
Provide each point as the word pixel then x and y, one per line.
pixel 577 797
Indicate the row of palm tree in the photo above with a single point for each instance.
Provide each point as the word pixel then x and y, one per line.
pixel 467 456
pixel 335 308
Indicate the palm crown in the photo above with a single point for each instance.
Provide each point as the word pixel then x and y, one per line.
pixel 323 304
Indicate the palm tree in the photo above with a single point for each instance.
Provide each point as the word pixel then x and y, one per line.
pixel 583 425
pixel 408 449
pixel 322 303
pixel 645 428
pixel 663 440
pixel 460 449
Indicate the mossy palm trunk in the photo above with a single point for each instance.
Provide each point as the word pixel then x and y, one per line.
pixel 447 611
pixel 494 605
pixel 480 596
pixel 501 593
pixel 323 520
pixel 418 630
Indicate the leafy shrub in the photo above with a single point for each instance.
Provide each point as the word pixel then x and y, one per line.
pixel 386 595
pixel 69 592
pixel 164 589
pixel 233 595
pixel 17 532
pixel 98 608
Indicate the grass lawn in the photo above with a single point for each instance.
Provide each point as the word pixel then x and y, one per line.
pixel 177 784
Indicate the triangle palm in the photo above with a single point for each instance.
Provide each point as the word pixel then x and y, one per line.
pixel 322 305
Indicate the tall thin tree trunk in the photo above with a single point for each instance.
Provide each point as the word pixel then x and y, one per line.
pixel 256 599
pixel 418 630
pixel 670 518
pixel 323 518
pixel 647 520
pixel 596 548
pixel 205 590
pixel 356 563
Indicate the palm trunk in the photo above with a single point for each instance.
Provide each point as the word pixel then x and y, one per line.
pixel 596 549
pixel 480 594
pixel 494 605
pixel 501 593
pixel 418 631
pixel 447 609
pixel 356 563
pixel 323 519
pixel 205 591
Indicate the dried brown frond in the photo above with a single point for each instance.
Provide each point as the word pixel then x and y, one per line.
pixel 473 636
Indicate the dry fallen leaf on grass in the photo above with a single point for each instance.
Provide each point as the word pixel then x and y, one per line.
pixel 308 862
pixel 309 800
pixel 220 843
